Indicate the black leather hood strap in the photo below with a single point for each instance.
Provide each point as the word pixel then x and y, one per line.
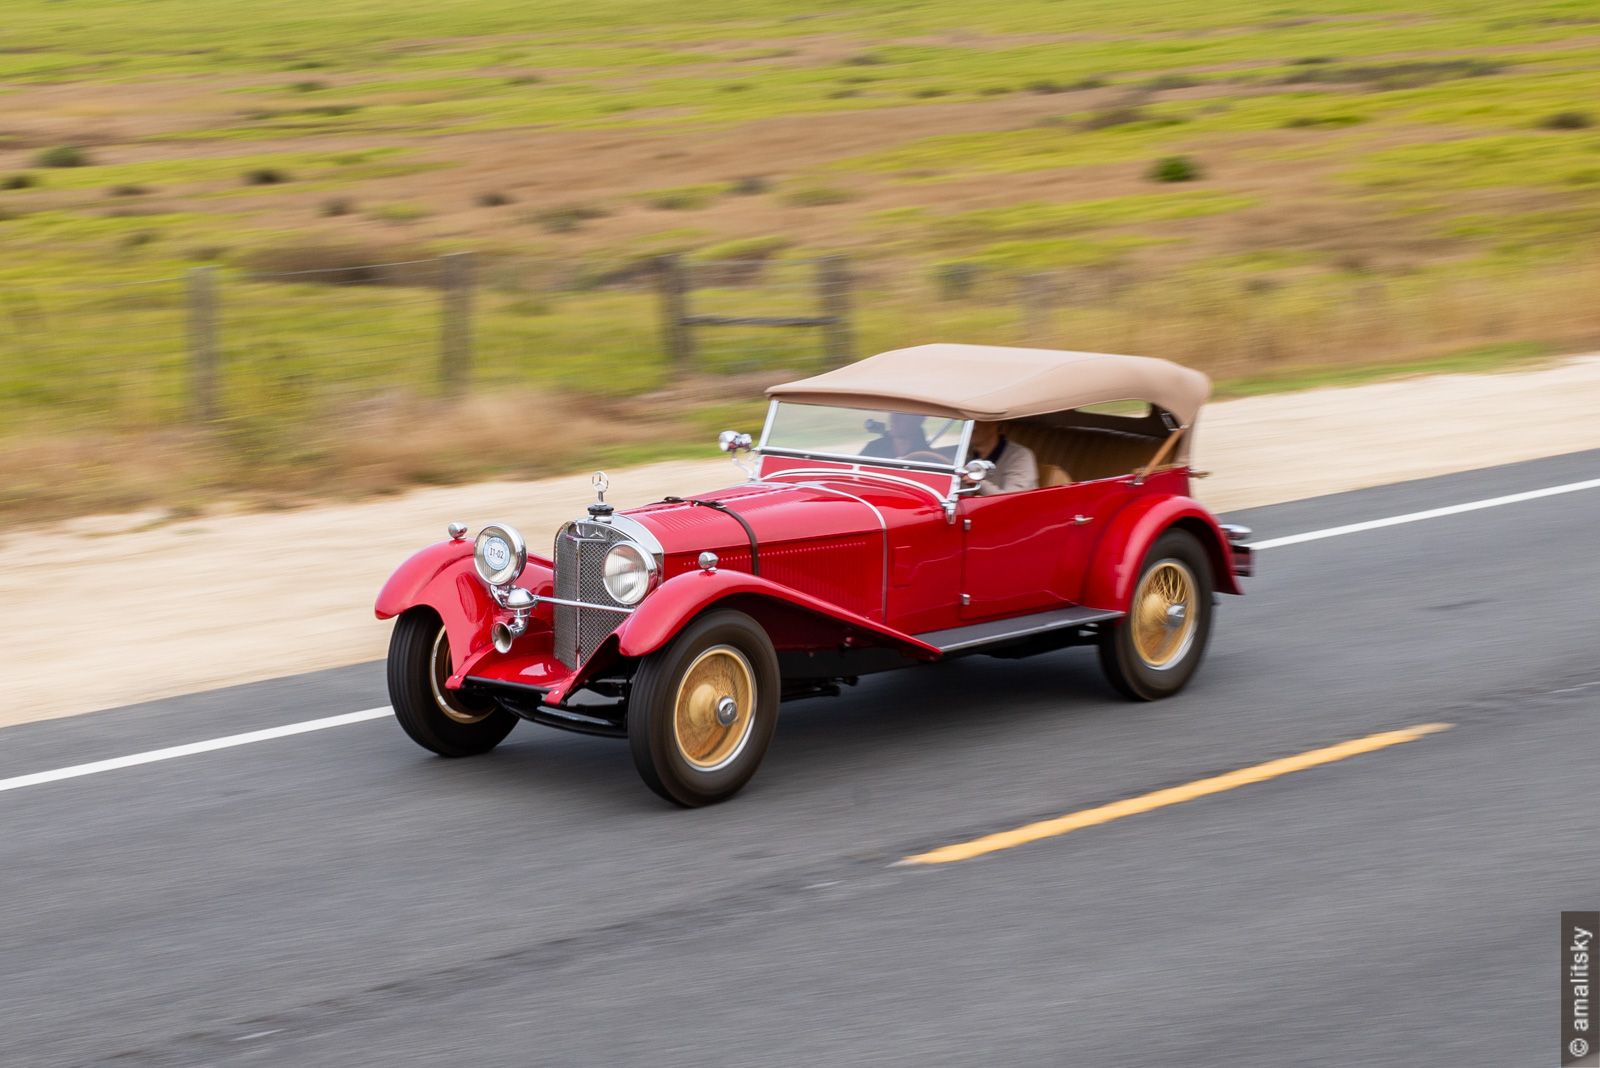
pixel 718 506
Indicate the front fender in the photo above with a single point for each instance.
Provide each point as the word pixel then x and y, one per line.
pixel 1132 531
pixel 441 577
pixel 794 620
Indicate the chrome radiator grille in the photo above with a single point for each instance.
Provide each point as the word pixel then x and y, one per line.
pixel 580 557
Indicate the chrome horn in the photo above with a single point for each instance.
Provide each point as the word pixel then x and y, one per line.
pixel 519 602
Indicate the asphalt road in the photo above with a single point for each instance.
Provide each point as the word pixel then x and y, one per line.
pixel 343 898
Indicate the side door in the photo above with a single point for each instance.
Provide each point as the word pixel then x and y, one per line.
pixel 1027 552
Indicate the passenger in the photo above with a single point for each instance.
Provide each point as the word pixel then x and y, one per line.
pixel 1015 468
pixel 903 437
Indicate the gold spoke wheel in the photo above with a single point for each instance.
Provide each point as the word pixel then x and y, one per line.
pixel 450 702
pixel 714 710
pixel 1164 614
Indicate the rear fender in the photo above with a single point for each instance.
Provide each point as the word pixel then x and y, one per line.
pixel 1132 531
pixel 793 620
pixel 442 577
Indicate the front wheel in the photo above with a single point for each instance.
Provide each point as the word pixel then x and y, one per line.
pixel 446 721
pixel 702 710
pixel 1154 652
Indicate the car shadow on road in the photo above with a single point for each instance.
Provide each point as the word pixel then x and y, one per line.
pixel 890 721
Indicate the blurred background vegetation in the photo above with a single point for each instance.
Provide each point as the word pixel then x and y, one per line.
pixel 1282 194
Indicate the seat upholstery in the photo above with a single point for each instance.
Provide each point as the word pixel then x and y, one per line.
pixel 1082 454
pixel 1053 475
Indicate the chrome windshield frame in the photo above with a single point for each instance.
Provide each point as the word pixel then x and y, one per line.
pixel 953 468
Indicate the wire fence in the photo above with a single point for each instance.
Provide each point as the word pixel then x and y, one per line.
pixel 293 346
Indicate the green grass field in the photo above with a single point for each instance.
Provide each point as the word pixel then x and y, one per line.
pixel 1369 184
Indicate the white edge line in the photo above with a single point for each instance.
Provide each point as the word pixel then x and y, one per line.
pixel 290 729
pixel 192 748
pixel 1431 513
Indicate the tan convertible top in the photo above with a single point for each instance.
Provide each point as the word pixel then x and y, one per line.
pixel 994 383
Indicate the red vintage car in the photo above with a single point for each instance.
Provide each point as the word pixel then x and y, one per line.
pixel 922 504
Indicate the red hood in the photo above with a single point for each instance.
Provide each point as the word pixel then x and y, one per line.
pixel 776 513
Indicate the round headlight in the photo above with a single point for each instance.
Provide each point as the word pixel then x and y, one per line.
pixel 499 554
pixel 627 573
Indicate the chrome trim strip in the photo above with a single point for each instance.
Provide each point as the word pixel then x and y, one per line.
pixel 856 470
pixel 965 446
pixel 540 598
pixel 766 427
pixel 883 526
pixel 873 461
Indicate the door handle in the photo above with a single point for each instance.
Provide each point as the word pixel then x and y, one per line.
pixel 1082 519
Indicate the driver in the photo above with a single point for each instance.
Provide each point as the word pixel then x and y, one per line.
pixel 902 437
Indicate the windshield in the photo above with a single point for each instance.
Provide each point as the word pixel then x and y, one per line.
pixel 864 434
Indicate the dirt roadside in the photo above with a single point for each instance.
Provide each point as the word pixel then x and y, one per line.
pixel 107 611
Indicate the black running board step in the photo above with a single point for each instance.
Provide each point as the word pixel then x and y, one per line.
pixel 1005 630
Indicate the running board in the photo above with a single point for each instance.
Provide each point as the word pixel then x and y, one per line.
pixel 1004 630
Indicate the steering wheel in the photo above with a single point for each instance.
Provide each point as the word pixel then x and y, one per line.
pixel 926 455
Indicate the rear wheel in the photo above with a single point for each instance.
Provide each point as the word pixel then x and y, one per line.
pixel 445 721
pixel 702 710
pixel 1156 649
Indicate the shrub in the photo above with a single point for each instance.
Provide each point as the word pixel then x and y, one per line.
pixel 18 181
pixel 62 156
pixel 750 185
pixel 337 206
pixel 1094 81
pixel 127 191
pixel 1174 169
pixel 493 200
pixel 1170 81
pixel 265 176
pixel 817 196
pixel 138 238
pixel 684 198
pixel 1568 120
pixel 734 87
pixel 929 91
pixel 1123 115
pixel 866 59
pixel 1301 122
pixel 994 90
pixel 309 87
pixel 1046 85
pixel 843 94
pixel 399 213
pixel 565 220
pixel 956 280
pixel 524 79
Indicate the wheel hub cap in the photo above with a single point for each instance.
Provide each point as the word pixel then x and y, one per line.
pixel 714 710
pixel 1162 617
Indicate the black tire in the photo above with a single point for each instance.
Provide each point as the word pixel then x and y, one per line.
pixel 1143 668
pixel 443 721
pixel 688 760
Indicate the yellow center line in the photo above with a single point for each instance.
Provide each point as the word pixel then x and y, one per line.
pixel 1172 795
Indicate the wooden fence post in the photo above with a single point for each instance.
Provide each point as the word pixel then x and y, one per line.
pixel 672 284
pixel 202 322
pixel 455 322
pixel 833 294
